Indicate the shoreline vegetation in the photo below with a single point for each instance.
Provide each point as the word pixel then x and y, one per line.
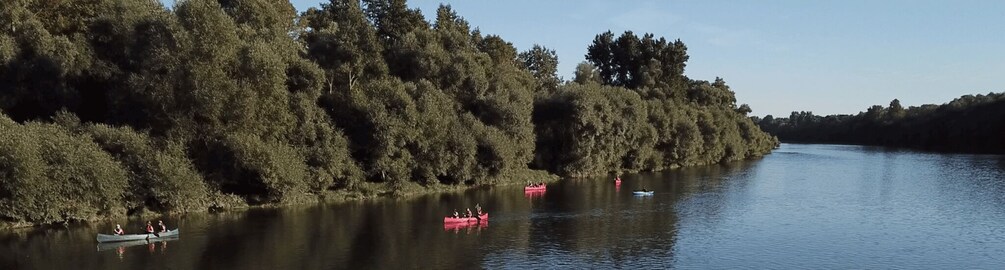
pixel 114 108
pixel 968 124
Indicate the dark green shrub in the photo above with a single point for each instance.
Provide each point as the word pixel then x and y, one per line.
pixel 160 179
pixel 48 174
pixel 275 168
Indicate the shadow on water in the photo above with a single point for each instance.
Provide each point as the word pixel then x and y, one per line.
pixel 802 206
pixel 368 242
pixel 592 219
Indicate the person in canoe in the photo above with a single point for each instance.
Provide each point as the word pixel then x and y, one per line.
pixel 150 228
pixel 119 230
pixel 478 212
pixel 469 213
pixel 164 228
pixel 456 215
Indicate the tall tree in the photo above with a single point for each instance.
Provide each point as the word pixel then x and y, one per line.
pixel 586 73
pixel 393 19
pixel 543 64
pixel 344 43
pixel 601 54
pixel 640 63
pixel 896 111
pixel 266 17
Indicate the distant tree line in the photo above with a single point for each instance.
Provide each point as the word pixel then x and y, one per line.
pixel 123 106
pixel 971 124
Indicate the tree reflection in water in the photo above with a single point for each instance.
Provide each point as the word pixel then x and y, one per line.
pixel 699 216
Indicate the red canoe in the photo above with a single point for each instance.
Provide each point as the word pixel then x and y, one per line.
pixel 449 219
pixel 534 194
pixel 534 188
pixel 459 226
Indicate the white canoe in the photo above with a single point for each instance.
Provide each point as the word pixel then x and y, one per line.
pixel 105 238
pixel 115 245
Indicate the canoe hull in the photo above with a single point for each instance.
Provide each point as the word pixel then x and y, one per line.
pixel 534 194
pixel 458 226
pixel 463 220
pixel 115 245
pixel 534 189
pixel 643 193
pixel 107 238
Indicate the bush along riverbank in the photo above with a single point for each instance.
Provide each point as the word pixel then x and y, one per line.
pixel 124 107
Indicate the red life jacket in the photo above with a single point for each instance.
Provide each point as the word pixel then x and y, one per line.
pixel 150 228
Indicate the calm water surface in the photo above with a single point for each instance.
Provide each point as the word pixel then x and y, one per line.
pixel 803 206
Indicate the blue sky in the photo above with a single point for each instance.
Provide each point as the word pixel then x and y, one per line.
pixel 780 55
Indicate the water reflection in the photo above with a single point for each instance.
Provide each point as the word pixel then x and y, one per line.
pixel 124 244
pixel 806 206
pixel 466 227
pixel 534 194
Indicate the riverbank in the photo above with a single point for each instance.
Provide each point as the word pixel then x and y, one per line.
pixel 240 112
pixel 364 191
pixel 360 192
pixel 905 209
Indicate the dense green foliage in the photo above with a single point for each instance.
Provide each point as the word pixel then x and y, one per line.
pixel 439 104
pixel 223 103
pixel 49 174
pixel 633 109
pixel 973 124
pixel 160 177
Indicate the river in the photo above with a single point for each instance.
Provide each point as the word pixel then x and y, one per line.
pixel 803 206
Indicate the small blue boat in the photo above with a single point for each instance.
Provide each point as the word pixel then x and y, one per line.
pixel 643 193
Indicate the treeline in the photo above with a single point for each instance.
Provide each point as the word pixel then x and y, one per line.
pixel 970 124
pixel 124 106
pixel 632 109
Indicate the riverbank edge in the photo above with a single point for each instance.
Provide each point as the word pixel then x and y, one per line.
pixel 369 191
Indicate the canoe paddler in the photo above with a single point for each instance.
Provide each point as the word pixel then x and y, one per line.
pixel 150 228
pixel 456 215
pixel 469 213
pixel 119 230
pixel 164 228
pixel 478 209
